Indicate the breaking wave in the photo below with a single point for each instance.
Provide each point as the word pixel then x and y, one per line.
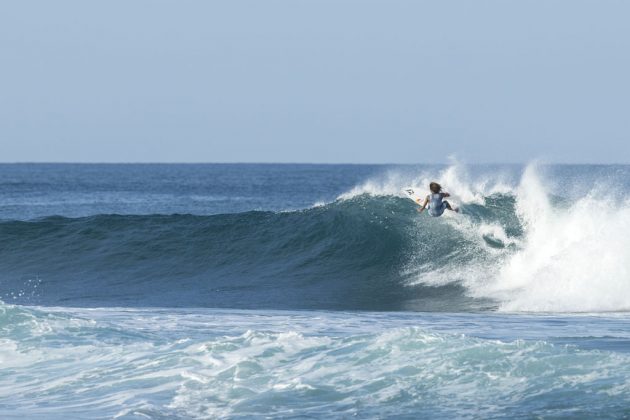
pixel 518 245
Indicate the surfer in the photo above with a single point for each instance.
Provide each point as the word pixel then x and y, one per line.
pixel 436 201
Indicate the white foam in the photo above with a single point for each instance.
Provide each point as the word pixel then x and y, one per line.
pixel 228 363
pixel 573 259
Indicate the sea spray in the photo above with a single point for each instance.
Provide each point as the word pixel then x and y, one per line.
pixel 576 256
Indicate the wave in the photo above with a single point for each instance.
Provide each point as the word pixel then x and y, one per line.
pixel 344 255
pixel 515 247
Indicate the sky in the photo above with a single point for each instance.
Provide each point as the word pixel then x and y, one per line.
pixel 326 81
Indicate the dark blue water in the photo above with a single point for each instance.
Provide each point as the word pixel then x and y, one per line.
pixel 29 191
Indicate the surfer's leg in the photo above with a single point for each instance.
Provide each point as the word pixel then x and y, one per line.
pixel 448 206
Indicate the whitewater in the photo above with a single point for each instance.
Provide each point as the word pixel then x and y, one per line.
pixel 246 291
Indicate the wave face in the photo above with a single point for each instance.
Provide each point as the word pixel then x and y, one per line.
pixel 515 247
pixel 350 254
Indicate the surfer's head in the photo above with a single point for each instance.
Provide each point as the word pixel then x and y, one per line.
pixel 435 187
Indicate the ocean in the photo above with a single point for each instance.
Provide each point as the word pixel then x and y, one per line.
pixel 242 291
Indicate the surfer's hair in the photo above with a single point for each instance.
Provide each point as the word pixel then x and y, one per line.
pixel 435 187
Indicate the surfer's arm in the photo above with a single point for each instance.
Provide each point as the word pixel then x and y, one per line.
pixel 445 194
pixel 424 206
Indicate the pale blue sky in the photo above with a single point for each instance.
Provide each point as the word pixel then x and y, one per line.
pixel 314 81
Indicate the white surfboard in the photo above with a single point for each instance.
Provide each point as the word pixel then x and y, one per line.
pixel 412 194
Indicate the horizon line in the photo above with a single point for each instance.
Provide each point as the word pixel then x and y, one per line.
pixel 540 162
